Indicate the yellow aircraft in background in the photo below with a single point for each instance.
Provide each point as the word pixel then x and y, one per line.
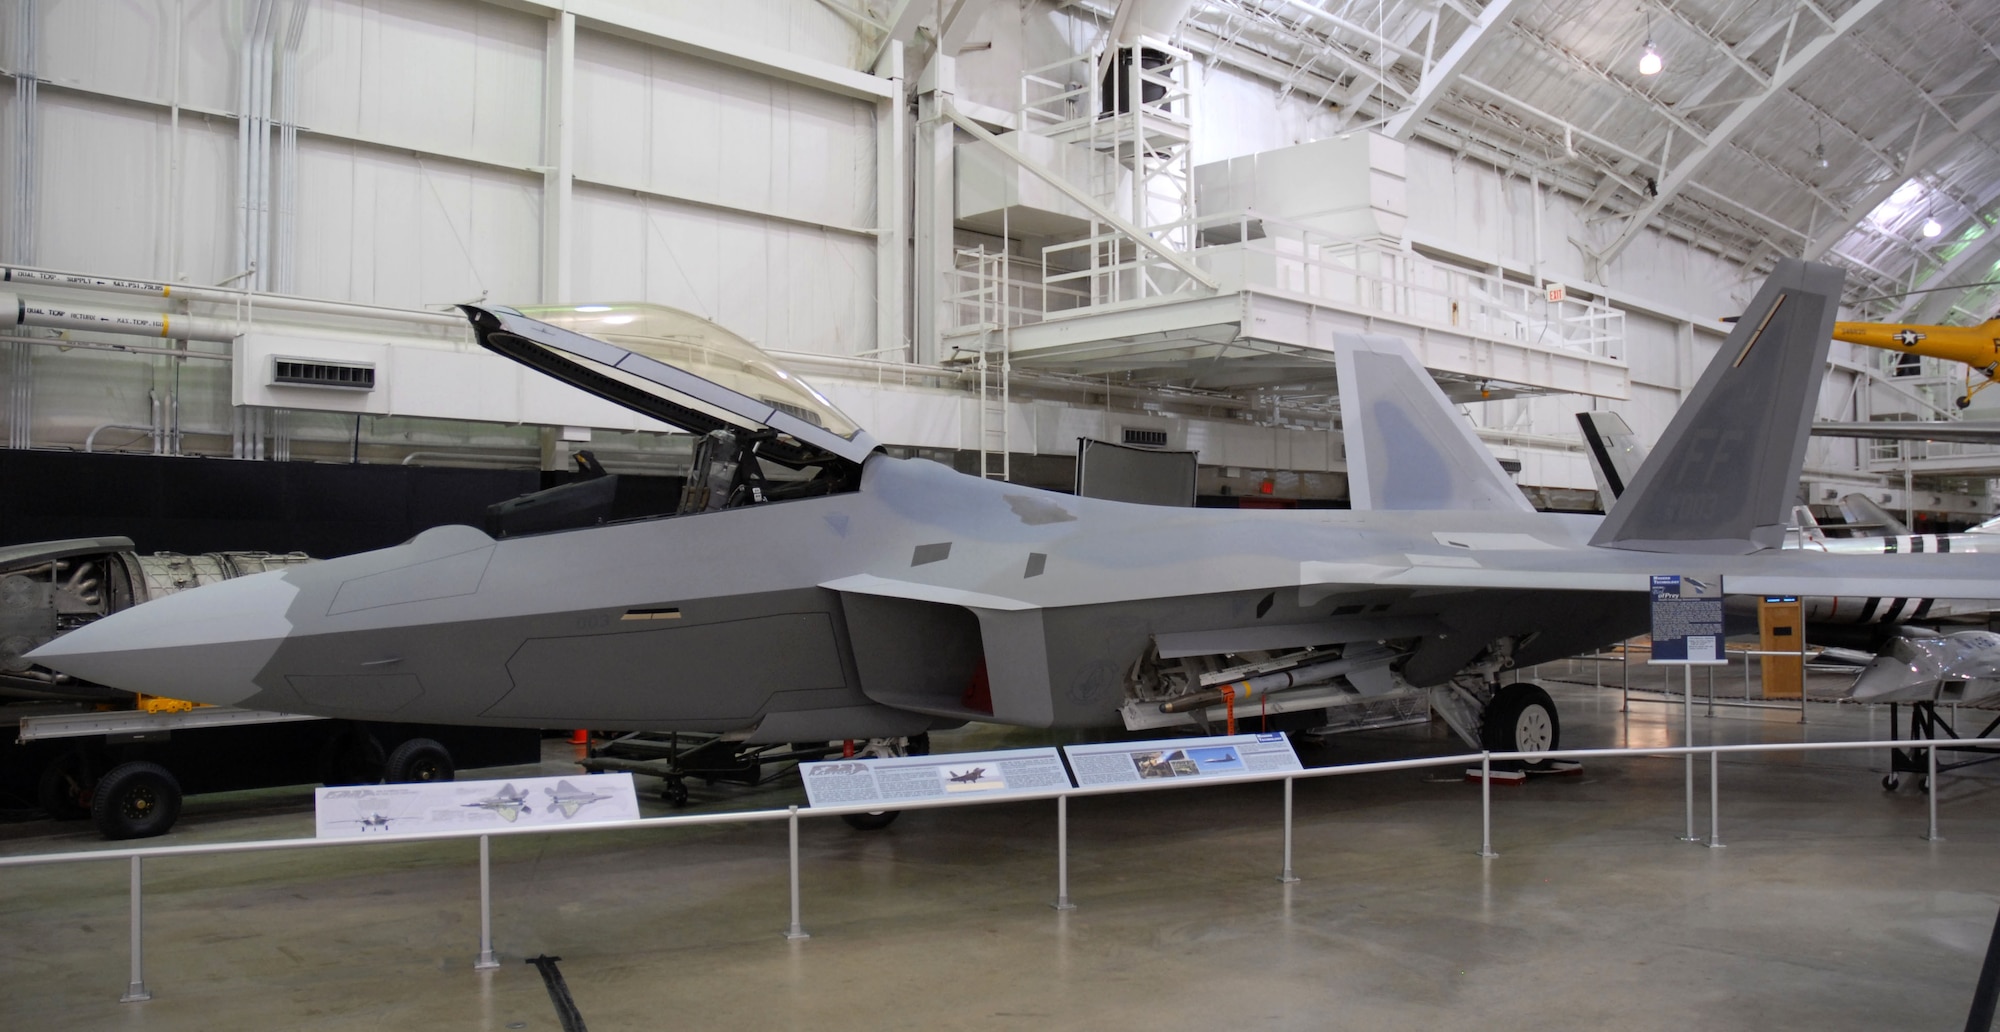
pixel 1976 346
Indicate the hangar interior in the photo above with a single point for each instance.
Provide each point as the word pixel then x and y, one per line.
pixel 989 230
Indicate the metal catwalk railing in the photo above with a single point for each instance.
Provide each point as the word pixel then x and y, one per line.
pixel 137 991
pixel 1245 250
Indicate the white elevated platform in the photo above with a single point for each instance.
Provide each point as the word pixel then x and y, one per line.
pixel 1283 291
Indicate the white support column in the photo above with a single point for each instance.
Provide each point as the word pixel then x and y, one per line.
pixel 934 207
pixel 891 211
pixel 1673 182
pixel 558 153
pixel 1439 78
pixel 1919 159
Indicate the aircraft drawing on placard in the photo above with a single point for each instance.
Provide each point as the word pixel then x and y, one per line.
pixel 567 799
pixel 809 586
pixel 510 803
pixel 969 776
pixel 373 822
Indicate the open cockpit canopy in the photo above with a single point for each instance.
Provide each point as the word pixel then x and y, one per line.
pixel 678 368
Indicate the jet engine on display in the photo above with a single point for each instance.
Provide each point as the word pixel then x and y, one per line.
pixel 811 587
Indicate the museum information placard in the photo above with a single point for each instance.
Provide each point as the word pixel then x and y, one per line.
pixel 1687 619
pixel 1221 757
pixel 355 810
pixel 908 779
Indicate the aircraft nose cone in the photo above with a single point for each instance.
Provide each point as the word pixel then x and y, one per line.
pixel 1887 677
pixel 204 645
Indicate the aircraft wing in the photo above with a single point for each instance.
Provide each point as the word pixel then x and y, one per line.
pixel 1961 431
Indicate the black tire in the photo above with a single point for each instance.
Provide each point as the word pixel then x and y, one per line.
pixel 675 791
pixel 1890 781
pixel 136 800
pixel 63 791
pixel 1521 718
pixel 418 761
pixel 352 756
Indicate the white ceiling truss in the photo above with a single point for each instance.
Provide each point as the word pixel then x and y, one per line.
pixel 1829 129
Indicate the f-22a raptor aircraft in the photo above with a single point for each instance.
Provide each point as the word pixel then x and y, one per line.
pixel 812 587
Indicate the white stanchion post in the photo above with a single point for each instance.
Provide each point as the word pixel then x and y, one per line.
pixel 1486 804
pixel 1625 676
pixel 1714 802
pixel 1931 791
pixel 136 991
pixel 1802 672
pixel 1286 875
pixel 486 961
pixel 796 931
pixel 1687 738
pixel 1062 855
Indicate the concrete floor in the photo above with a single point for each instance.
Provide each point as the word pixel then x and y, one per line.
pixel 1827 910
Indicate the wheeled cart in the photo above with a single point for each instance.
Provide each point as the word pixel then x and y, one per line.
pixel 675 756
pixel 1927 724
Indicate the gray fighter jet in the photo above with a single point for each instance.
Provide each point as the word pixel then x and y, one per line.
pixel 567 799
pixel 811 587
pixel 510 803
pixel 1921 664
pixel 1616 454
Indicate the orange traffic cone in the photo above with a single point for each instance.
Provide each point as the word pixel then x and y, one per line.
pixel 581 737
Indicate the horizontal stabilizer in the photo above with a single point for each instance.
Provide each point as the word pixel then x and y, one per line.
pixel 1407 447
pixel 1722 478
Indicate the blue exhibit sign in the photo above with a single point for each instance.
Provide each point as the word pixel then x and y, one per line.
pixel 1687 619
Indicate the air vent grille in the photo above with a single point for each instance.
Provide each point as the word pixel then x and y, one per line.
pixel 304 372
pixel 1144 438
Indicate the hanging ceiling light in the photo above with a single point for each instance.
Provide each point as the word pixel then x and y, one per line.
pixel 1932 228
pixel 1649 62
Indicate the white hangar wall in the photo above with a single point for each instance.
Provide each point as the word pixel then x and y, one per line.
pixel 718 162
pixel 423 148
pixel 675 158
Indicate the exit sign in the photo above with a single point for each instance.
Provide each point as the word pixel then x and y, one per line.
pixel 1556 293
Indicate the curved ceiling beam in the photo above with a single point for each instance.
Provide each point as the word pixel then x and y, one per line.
pixel 1440 77
pixel 1671 185
pixel 1919 159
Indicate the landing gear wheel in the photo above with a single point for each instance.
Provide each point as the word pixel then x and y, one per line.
pixel 1521 718
pixel 136 800
pixel 915 745
pixel 1890 781
pixel 64 789
pixel 1924 785
pixel 675 791
pixel 418 761
pixel 1964 401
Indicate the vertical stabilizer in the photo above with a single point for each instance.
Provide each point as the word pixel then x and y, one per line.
pixel 1861 511
pixel 1722 478
pixel 1615 452
pixel 1407 447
